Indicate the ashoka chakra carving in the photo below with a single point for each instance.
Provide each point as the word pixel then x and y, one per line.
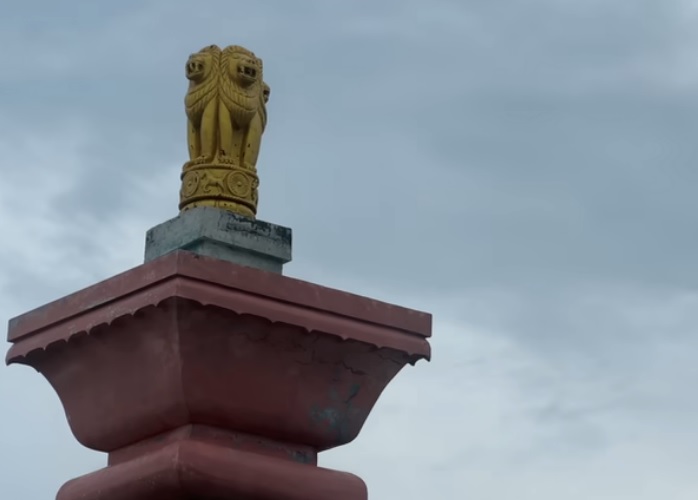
pixel 190 184
pixel 239 184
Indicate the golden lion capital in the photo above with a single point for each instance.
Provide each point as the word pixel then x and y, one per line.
pixel 226 117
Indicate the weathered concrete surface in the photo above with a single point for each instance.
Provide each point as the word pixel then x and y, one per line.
pixel 223 235
pixel 187 368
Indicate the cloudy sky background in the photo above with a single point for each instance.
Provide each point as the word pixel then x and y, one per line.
pixel 525 170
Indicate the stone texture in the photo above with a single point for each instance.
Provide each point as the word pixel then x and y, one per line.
pixel 206 379
pixel 223 235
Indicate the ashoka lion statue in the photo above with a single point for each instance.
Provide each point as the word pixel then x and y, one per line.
pixel 226 111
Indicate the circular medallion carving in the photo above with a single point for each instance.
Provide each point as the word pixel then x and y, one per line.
pixel 239 185
pixel 190 184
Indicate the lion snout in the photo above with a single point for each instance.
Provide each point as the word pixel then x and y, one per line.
pixel 195 67
pixel 247 71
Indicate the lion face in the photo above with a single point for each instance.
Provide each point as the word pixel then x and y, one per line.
pixel 244 68
pixel 199 66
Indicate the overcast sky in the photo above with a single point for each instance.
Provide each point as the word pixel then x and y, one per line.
pixel 526 170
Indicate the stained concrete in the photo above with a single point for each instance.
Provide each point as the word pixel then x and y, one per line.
pixel 223 235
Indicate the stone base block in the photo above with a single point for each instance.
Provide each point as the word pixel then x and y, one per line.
pixel 223 235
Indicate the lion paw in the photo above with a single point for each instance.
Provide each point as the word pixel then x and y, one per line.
pixel 201 160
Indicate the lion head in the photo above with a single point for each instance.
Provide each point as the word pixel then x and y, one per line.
pixel 202 64
pixel 202 70
pixel 241 82
pixel 242 66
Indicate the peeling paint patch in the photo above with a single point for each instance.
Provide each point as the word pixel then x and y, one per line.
pixel 341 416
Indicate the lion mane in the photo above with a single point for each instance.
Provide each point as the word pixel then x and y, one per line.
pixel 203 86
pixel 242 102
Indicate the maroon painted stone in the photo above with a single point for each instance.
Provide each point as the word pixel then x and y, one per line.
pixel 204 379
pixel 190 466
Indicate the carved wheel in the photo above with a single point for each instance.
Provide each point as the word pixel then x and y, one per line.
pixel 239 185
pixel 190 184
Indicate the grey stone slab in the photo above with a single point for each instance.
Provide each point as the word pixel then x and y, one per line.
pixel 223 235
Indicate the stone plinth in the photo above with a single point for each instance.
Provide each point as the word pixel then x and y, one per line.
pixel 224 235
pixel 206 379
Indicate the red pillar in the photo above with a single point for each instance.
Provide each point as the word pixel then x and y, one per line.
pixel 203 379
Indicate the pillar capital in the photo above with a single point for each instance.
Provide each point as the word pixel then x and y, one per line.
pixel 187 367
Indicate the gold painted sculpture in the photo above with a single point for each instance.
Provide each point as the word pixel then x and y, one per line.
pixel 227 115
